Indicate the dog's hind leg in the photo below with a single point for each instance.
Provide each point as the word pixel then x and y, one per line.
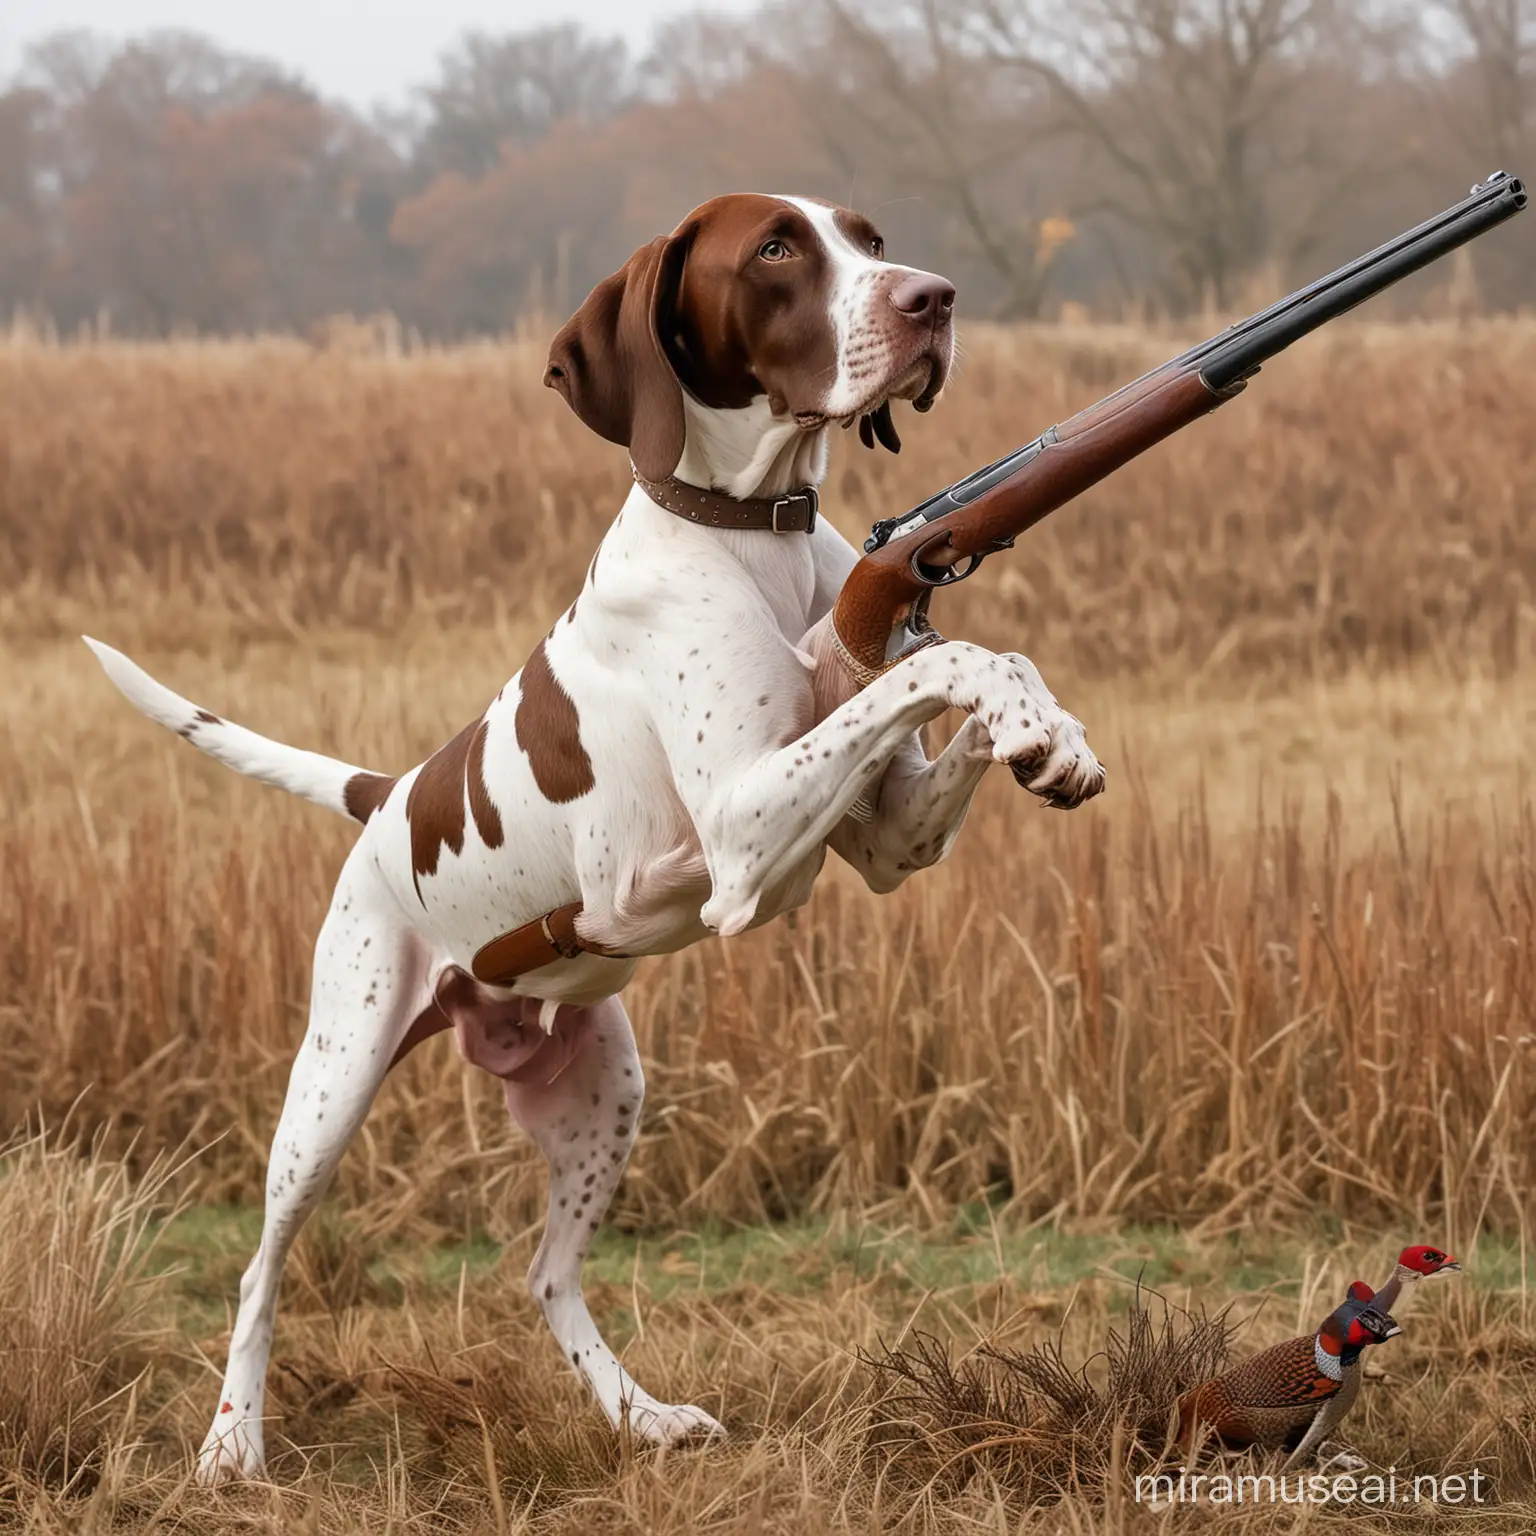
pixel 584 1121
pixel 370 982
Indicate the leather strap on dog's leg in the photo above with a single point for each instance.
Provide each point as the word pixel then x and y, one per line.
pixel 500 961
pixel 541 942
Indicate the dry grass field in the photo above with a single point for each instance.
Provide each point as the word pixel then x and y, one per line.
pixel 1259 1015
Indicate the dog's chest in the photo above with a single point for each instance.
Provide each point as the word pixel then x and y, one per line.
pixel 568 793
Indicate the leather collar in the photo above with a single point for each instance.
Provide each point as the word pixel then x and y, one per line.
pixel 791 513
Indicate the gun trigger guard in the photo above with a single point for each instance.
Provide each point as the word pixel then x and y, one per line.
pixel 948 575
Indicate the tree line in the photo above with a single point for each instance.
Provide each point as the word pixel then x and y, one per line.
pixel 1136 157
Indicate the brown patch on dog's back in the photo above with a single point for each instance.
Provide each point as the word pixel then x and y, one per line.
pixel 487 817
pixel 435 806
pixel 365 793
pixel 549 732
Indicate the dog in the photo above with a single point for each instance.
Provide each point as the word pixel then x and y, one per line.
pixel 654 775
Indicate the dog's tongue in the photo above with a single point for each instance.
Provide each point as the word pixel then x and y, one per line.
pixel 878 424
pixel 885 428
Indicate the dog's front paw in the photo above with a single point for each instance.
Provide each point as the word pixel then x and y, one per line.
pixel 1069 773
pixel 1020 731
pixel 1062 769
pixel 729 912
pixel 667 1424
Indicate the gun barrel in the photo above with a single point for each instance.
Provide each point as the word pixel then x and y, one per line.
pixel 943 539
pixel 1237 353
pixel 1224 360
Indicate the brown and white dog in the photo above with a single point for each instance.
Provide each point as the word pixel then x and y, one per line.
pixel 654 774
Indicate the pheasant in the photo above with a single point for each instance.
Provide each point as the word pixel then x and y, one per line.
pixel 1413 1264
pixel 1292 1395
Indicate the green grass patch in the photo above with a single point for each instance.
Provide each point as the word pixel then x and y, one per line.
pixel 207 1249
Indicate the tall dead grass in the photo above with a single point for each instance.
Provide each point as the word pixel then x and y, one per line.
pixel 430 1411
pixel 75 1297
pixel 1039 1421
pixel 1369 500
pixel 1147 1016
pixel 1284 969
pixel 1286 963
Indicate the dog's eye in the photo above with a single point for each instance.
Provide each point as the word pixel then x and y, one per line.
pixel 877 248
pixel 773 250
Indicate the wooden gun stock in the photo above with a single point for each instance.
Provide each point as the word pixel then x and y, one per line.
pixel 1083 451
pixel 881 613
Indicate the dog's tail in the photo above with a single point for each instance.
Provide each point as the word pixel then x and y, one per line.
pixel 335 785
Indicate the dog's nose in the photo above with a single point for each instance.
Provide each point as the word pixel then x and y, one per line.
pixel 924 296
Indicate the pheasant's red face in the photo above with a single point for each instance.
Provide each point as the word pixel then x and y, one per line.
pixel 1371 1328
pixel 1424 1260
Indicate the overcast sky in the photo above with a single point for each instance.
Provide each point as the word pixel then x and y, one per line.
pixel 362 50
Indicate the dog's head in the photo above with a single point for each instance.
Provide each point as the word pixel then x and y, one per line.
pixel 754 300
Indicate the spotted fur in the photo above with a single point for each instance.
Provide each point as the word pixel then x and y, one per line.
pixel 657 760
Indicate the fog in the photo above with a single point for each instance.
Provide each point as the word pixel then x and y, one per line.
pixel 363 51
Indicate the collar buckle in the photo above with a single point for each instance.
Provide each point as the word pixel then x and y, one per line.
pixel 813 503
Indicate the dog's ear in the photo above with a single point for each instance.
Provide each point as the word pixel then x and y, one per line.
pixel 609 363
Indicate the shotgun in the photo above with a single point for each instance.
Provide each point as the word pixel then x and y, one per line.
pixel 881 613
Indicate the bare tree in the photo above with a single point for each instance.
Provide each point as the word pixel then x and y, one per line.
pixel 698 54
pixel 899 89
pixel 168 182
pixel 513 88
pixel 1171 150
pixel 1496 42
pixel 24 222
pixel 1197 110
